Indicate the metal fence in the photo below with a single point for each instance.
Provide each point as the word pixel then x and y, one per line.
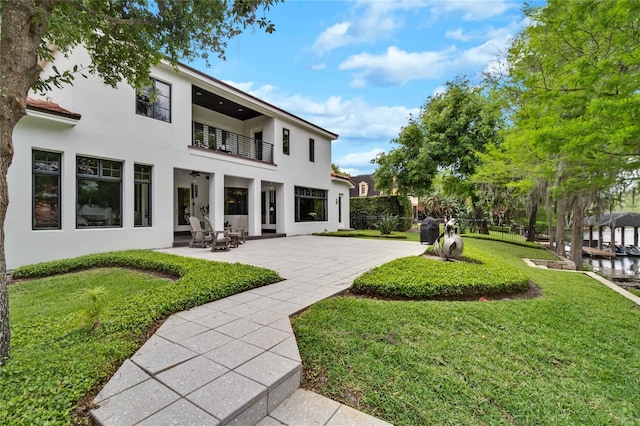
pixel 541 234
pixel 370 221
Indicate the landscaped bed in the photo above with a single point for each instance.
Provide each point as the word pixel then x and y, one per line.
pixel 477 274
pixel 57 358
pixel 568 357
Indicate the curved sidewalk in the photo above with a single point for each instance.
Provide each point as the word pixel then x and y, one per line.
pixel 235 360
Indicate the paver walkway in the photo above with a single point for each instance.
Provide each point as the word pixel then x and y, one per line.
pixel 235 360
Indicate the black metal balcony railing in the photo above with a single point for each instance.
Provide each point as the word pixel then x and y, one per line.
pixel 212 138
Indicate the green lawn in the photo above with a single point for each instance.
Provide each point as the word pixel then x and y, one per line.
pixel 56 358
pixel 571 357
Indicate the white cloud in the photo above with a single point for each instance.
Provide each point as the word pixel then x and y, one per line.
pixel 355 159
pixel 438 91
pixel 333 37
pixel 472 10
pixel 397 67
pixel 372 20
pixel 457 34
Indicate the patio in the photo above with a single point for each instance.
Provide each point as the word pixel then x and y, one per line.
pixel 235 360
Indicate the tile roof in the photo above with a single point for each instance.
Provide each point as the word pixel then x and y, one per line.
pixel 343 177
pixel 50 108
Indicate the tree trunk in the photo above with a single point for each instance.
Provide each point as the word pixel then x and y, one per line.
pixel 533 214
pixel 577 232
pixel 481 223
pixel 560 225
pixel 24 23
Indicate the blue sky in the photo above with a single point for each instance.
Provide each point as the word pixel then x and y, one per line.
pixel 361 68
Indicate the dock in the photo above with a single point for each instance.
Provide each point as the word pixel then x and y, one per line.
pixel 594 252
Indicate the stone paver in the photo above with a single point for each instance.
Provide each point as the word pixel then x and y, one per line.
pixel 235 361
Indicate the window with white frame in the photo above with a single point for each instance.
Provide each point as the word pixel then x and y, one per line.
pixel 99 193
pixel 155 101
pixel 310 204
pixel 46 168
pixel 364 189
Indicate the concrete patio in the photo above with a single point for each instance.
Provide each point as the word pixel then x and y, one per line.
pixel 235 360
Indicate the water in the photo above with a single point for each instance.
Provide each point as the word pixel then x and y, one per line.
pixel 623 270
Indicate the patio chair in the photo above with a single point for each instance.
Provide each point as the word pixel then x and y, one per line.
pixel 239 226
pixel 199 237
pixel 220 239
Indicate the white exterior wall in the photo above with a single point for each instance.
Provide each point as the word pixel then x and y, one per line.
pixel 111 129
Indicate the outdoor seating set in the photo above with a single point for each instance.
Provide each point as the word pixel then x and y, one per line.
pixel 224 239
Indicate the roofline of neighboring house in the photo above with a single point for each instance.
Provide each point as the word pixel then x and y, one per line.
pixel 252 98
pixel 37 107
pixel 346 179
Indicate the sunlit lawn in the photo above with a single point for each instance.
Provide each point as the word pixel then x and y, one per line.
pixel 571 357
pixel 57 358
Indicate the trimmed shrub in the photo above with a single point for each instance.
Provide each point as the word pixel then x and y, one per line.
pixel 387 224
pixel 55 362
pixel 417 277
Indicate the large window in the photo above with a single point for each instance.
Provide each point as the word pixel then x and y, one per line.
pixel 285 141
pixel 311 204
pixel 99 193
pixel 46 190
pixel 142 194
pixel 235 201
pixel 312 150
pixel 155 101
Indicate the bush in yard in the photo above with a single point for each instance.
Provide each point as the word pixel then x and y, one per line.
pixel 56 362
pixel 387 224
pixel 418 277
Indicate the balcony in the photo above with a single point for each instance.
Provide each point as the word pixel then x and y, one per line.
pixel 223 141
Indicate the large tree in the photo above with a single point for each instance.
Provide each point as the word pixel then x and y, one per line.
pixel 572 79
pixel 452 128
pixel 124 39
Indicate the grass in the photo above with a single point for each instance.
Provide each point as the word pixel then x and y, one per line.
pixel 426 278
pixel 570 357
pixel 57 359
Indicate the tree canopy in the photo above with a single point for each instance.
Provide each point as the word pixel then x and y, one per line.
pixel 124 39
pixel 572 92
pixel 452 128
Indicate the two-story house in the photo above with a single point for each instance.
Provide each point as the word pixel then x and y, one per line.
pixel 99 169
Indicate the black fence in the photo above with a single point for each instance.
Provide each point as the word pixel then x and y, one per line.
pixel 541 234
pixel 369 221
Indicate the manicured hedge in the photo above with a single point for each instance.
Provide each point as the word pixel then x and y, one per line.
pixel 384 206
pixel 418 277
pixel 55 361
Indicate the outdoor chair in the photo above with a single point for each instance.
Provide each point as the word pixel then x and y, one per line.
pixel 199 237
pixel 239 226
pixel 220 239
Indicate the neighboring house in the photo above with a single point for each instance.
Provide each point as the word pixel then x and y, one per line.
pixel 365 187
pixel 99 169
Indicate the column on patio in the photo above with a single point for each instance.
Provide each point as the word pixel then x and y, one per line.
pixel 284 211
pixel 216 200
pixel 254 222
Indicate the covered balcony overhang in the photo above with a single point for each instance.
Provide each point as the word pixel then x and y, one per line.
pixel 222 105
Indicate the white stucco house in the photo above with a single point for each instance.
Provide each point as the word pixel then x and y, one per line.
pixel 99 169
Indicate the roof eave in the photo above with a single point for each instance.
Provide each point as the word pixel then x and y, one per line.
pixel 71 119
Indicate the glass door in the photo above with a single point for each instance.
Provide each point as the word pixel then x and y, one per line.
pixel 183 206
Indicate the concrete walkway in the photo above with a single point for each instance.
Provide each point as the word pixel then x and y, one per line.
pixel 235 360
